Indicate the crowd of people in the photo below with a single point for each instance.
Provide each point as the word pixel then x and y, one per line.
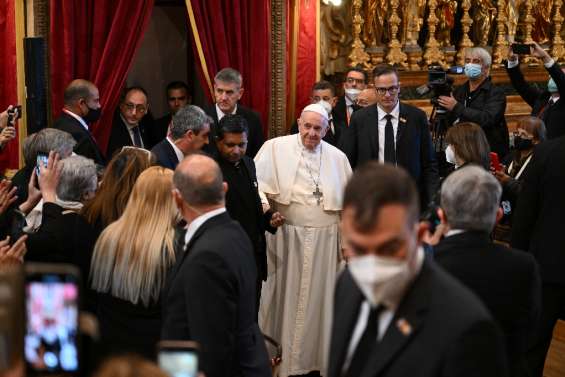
pixel 344 241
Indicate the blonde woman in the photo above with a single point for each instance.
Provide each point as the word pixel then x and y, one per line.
pixel 130 263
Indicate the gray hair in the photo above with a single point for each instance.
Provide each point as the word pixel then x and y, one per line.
pixel 470 197
pixel 188 118
pixel 229 75
pixel 45 141
pixel 481 53
pixel 78 177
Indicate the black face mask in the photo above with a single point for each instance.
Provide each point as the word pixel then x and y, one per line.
pixel 93 115
pixel 522 144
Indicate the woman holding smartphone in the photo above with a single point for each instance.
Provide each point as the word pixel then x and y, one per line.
pixel 130 263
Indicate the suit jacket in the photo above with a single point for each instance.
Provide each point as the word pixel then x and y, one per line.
pixel 86 145
pixel 414 150
pixel 486 108
pixel 255 138
pixel 210 298
pixel 165 155
pixel 332 137
pixel 340 111
pixel 439 329
pixel 538 99
pixel 506 280
pixel 120 137
pixel 160 127
pixel 252 217
pixel 538 221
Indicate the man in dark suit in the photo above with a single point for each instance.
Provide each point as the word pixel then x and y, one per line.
pixel 178 96
pixel 190 129
pixel 479 101
pixel 210 293
pixel 228 90
pixel 546 103
pixel 537 227
pixel 127 127
pixel 396 313
pixel 506 280
pixel 81 108
pixel 393 132
pixel 355 82
pixel 323 92
pixel 242 199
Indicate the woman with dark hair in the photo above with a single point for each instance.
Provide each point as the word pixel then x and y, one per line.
pixel 467 144
pixel 114 191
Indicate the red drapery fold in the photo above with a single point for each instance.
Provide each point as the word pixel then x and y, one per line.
pixel 8 78
pixel 236 33
pixel 95 40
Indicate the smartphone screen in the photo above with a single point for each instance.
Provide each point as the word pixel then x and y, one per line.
pixel 51 335
pixel 521 49
pixel 178 359
pixel 41 161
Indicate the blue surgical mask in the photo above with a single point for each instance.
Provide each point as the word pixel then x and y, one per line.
pixel 552 86
pixel 473 70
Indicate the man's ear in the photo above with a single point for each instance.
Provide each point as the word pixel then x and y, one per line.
pixel 177 198
pixel 225 187
pixel 422 228
pixel 333 102
pixel 241 90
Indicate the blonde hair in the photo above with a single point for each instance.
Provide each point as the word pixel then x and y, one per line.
pixel 132 255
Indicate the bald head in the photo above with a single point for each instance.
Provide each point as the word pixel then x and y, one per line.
pixel 78 89
pixel 199 180
pixel 367 97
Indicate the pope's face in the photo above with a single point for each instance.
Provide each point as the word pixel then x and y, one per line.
pixel 312 128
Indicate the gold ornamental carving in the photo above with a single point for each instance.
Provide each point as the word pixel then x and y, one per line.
pixel 433 54
pixel 358 55
pixel 557 50
pixel 501 44
pixel 395 55
pixel 466 23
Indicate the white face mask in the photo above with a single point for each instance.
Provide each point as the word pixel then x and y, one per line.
pixel 326 105
pixel 352 94
pixel 381 279
pixel 450 155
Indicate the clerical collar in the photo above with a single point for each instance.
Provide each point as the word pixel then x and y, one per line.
pixel 316 150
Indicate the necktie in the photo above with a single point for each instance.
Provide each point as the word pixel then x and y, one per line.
pixel 365 345
pixel 390 152
pixel 137 137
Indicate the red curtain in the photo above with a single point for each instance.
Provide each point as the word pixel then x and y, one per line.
pixel 95 40
pixel 236 33
pixel 8 78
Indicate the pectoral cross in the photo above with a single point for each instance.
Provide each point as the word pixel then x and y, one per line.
pixel 318 195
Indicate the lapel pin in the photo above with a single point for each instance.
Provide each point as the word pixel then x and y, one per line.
pixel 403 120
pixel 404 327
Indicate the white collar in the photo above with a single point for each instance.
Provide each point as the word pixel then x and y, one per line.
pixel 178 152
pixel 81 121
pixel 454 232
pixel 197 223
pixel 221 114
pixel 395 112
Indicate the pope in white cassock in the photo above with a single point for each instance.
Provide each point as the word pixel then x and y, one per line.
pixel 303 178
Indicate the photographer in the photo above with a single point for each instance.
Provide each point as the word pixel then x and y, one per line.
pixel 479 101
pixel 545 103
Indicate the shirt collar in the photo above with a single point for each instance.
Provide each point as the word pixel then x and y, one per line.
pixel 178 152
pixel 221 114
pixel 454 232
pixel 81 121
pixel 395 112
pixel 197 223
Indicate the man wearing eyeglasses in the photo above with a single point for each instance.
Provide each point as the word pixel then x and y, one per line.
pixel 127 128
pixel 355 82
pixel 393 132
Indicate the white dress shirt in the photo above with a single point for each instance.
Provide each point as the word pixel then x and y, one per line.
pixel 178 152
pixel 348 106
pixel 80 120
pixel 130 128
pixel 382 124
pixel 197 223
pixel 221 114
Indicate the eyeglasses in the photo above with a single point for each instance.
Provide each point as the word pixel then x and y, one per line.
pixel 352 80
pixel 392 90
pixel 138 108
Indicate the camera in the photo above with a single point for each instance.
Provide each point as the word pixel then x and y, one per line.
pixel 439 84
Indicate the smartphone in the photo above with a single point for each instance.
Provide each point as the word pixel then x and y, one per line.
pixel 178 358
pixel 11 316
pixel 42 159
pixel 521 48
pixel 15 113
pixel 52 309
pixel 495 162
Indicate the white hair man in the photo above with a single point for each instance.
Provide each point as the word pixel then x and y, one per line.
pixel 303 178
